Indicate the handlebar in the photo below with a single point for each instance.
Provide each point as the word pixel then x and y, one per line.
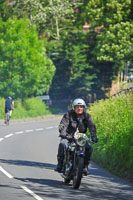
pixel 72 138
pixel 89 139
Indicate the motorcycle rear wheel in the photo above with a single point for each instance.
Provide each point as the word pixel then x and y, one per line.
pixel 8 118
pixel 78 173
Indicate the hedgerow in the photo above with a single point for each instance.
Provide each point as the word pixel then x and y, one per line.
pixel 114 122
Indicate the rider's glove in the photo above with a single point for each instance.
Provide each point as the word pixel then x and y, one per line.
pixel 94 139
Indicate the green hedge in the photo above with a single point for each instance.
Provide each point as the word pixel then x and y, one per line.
pixel 2 108
pixel 114 121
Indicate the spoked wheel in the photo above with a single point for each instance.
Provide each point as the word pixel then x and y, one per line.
pixel 78 173
pixel 66 179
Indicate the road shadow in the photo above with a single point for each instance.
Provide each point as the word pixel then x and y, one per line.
pixel 9 186
pixel 48 182
pixel 53 189
pixel 28 163
pixel 99 185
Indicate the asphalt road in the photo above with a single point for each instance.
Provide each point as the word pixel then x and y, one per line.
pixel 27 159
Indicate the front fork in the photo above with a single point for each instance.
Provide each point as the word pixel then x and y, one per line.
pixel 77 154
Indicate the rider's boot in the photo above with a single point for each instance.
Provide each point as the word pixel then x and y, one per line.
pixel 85 169
pixel 59 165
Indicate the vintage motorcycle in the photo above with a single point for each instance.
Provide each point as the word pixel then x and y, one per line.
pixel 73 163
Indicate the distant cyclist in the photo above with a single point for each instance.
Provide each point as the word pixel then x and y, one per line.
pixel 9 106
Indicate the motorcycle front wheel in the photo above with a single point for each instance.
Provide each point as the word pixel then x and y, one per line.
pixel 78 173
pixel 67 180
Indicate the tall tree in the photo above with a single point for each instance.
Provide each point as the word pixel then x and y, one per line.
pixel 112 20
pixel 32 9
pixel 74 75
pixel 25 69
pixel 52 17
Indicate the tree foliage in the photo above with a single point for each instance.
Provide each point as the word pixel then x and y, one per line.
pixel 32 9
pixel 6 10
pixel 73 68
pixel 25 69
pixel 114 41
pixel 86 62
pixel 52 17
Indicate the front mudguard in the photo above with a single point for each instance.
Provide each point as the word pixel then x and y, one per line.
pixel 77 154
pixel 80 153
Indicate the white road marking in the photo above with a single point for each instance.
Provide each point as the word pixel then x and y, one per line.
pixel 1 139
pixel 39 129
pixel 5 172
pixel 27 131
pixel 19 132
pixel 32 193
pixel 9 135
pixel 49 127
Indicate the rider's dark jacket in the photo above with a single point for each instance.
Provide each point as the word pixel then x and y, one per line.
pixel 71 121
pixel 8 103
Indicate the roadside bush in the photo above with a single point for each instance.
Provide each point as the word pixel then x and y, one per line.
pixel 114 121
pixel 35 107
pixel 19 111
pixel 2 108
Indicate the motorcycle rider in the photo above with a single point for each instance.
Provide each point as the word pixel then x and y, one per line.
pixel 77 118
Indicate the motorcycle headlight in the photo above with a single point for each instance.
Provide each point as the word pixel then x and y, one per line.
pixel 81 141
